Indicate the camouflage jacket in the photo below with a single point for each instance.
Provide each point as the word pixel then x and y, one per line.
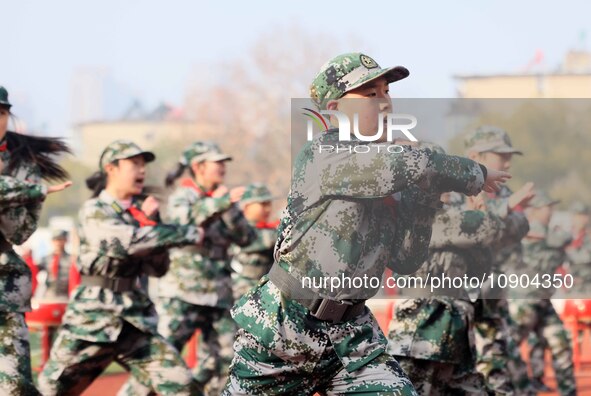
pixel 53 285
pixel 202 275
pixel 255 260
pixel 440 328
pixel 542 256
pixel 340 220
pixel 579 255
pixel 20 206
pixel 343 217
pixel 510 257
pixel 112 244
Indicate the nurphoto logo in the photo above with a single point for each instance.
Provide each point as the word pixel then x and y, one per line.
pixel 344 125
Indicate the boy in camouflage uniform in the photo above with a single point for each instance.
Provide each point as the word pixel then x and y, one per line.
pixel 109 317
pixel 21 197
pixel 433 338
pixel 498 356
pixel 295 340
pixel 196 293
pixel 251 262
pixel 531 309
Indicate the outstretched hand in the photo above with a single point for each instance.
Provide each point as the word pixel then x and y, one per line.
pixel 494 180
pixel 58 187
pixel 522 196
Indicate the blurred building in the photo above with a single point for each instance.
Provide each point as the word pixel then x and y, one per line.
pixel 147 128
pixel 572 79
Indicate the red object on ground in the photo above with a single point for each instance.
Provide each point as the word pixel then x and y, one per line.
pixel 46 316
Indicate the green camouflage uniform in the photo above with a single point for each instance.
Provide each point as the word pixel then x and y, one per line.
pixel 253 261
pixel 579 255
pixel 339 221
pixel 433 338
pixel 20 204
pixel 534 313
pixel 547 255
pixel 102 325
pixel 498 356
pixel 196 293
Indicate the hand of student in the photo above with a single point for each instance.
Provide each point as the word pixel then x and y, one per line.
pixel 522 196
pixel 150 206
pixel 58 187
pixel 236 194
pixel 476 203
pixel 220 191
pixel 494 179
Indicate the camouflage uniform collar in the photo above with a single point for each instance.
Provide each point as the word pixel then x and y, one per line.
pixel 112 201
pixel 192 184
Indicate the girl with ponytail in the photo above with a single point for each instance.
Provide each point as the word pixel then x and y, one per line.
pixel 196 292
pixel 110 317
pixel 24 162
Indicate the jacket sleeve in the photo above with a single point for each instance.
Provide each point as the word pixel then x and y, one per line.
pixel 184 210
pixel 465 229
pixel 14 192
pixel 237 227
pixel 110 236
pixel 346 174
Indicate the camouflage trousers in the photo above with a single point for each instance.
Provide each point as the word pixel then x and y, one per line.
pixel 498 357
pixel 540 318
pixel 75 363
pixel 432 378
pixel 178 321
pixel 15 356
pixel 257 370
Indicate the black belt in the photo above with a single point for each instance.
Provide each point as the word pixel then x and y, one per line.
pixel 321 308
pixel 115 283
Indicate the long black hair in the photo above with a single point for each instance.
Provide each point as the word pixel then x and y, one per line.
pixel 39 151
pixel 97 182
pixel 176 173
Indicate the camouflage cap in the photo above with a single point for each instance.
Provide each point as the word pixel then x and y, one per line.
pixel 59 234
pixel 579 207
pixel 346 72
pixel 256 192
pixel 203 151
pixel 542 199
pixel 491 139
pixel 4 98
pixel 122 149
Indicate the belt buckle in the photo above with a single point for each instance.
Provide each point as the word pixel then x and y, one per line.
pixel 330 310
